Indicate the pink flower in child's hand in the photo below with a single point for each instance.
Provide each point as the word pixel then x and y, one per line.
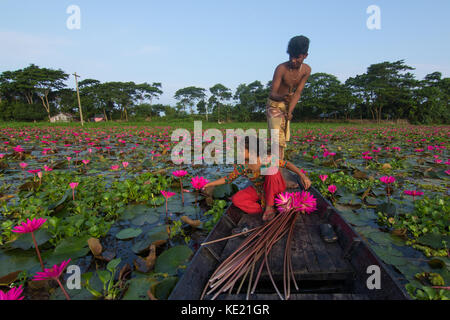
pixel 52 273
pixel 332 188
pixel 29 226
pixel 199 182
pixel 167 194
pixel 180 173
pixel 12 294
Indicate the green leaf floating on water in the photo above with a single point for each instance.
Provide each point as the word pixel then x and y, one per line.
pixel 224 191
pixel 388 208
pixel 128 233
pixel 146 217
pixel 165 287
pixel 434 240
pixel 72 248
pixel 390 255
pixel 138 288
pixel 170 260
pixel 25 241
pixel 157 233
pixel 135 210
pixel 14 260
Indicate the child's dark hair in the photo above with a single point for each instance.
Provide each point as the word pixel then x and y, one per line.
pixel 298 45
pixel 259 142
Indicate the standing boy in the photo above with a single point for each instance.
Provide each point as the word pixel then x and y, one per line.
pixel 287 85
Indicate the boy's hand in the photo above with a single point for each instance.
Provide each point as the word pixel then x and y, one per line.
pixel 289 116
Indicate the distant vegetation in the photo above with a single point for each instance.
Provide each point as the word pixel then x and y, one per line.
pixel 387 90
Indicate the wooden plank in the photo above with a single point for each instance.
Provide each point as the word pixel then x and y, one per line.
pixel 324 260
pixel 312 265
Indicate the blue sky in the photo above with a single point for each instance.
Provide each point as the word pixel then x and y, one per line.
pixel 201 43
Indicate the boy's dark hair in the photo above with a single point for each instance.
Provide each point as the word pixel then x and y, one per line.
pixel 298 45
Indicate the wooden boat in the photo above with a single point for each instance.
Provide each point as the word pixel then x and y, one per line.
pixel 324 271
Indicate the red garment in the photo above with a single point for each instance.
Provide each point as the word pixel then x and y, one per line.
pixel 246 199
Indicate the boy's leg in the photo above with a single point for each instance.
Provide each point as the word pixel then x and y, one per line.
pixel 246 200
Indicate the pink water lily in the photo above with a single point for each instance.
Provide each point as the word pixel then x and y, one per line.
pixel 12 294
pixel 125 164
pixel 1 155
pixel 114 167
pixel 304 202
pixel 73 185
pixel 198 182
pixel 283 201
pixel 413 193
pixel 387 179
pixel 167 195
pixel 53 274
pixel 30 226
pixel 180 174
pixel 323 177
pixel 23 165
pixel 332 188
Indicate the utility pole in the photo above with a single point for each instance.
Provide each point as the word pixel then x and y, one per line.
pixel 78 96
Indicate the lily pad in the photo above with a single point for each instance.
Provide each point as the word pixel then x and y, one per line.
pixel 170 260
pixel 128 233
pixel 72 248
pixel 224 191
pixel 387 208
pixel 138 288
pixel 155 234
pixel 25 241
pixel 14 260
pixel 165 287
pixel 434 240
pixel 147 217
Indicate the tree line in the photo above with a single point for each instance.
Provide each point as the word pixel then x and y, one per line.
pixel 387 90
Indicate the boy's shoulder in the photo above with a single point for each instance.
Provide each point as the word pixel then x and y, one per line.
pixel 307 68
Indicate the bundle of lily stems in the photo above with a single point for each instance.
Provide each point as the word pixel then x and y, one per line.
pixel 255 249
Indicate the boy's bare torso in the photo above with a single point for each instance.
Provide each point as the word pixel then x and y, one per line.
pixel 289 79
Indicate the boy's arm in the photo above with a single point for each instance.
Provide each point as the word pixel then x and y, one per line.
pixel 298 92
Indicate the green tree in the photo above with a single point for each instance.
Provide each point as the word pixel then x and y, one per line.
pixel 189 96
pixel 220 94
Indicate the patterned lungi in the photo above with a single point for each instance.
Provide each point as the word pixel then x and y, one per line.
pixel 276 118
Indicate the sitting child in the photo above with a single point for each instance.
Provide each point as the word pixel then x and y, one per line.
pixel 264 188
